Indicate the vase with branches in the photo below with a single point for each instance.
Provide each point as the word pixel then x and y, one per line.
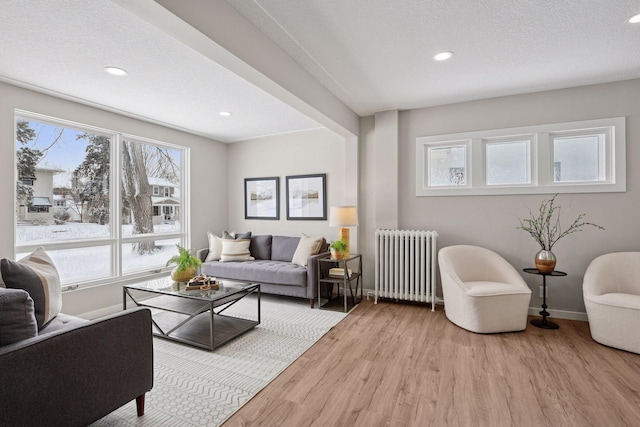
pixel 546 229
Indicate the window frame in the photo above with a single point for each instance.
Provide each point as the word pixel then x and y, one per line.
pixel 466 144
pixel 541 159
pixel 116 240
pixel 604 151
pixel 531 171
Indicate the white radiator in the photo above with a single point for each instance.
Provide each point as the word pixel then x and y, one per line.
pixel 405 265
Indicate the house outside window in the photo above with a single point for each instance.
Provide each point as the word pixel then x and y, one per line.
pixel 111 234
pixel 156 190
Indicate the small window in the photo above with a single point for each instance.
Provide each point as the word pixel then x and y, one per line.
pixel 508 162
pixel 579 158
pixel 28 182
pixel 573 157
pixel 167 192
pixel 447 165
pixel 156 190
pixel 38 209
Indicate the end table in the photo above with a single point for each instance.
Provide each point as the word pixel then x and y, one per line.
pixel 345 278
pixel 544 323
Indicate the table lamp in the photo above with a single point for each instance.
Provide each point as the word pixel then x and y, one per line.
pixel 343 217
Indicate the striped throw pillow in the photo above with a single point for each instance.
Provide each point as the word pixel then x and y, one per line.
pixel 37 275
pixel 235 250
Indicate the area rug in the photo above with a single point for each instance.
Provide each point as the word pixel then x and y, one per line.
pixel 194 387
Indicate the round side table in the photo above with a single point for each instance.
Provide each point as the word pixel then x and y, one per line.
pixel 544 323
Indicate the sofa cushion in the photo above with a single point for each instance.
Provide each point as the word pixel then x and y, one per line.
pixel 215 247
pixel 17 316
pixel 283 248
pixel 260 247
pixel 259 271
pixel 307 246
pixel 61 322
pixel 235 250
pixel 37 275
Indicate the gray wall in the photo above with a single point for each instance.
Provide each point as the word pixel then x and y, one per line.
pixel 207 175
pixel 491 221
pixel 297 153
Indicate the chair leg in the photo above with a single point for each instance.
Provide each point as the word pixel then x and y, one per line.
pixel 140 405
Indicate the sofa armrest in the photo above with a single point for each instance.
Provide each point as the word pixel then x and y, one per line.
pixel 312 273
pixel 202 253
pixel 76 376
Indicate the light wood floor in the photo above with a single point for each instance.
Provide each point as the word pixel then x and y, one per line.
pixel 397 364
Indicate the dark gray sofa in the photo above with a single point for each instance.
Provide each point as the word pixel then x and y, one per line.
pixel 272 267
pixel 74 371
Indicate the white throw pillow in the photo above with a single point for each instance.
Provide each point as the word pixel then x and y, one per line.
pixel 215 247
pixel 307 246
pixel 236 250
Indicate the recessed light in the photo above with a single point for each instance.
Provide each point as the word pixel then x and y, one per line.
pixel 635 19
pixel 115 71
pixel 224 113
pixel 443 56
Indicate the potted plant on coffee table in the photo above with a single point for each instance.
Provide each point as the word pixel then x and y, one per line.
pixel 186 265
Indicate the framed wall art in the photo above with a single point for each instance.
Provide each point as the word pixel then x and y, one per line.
pixel 262 198
pixel 307 197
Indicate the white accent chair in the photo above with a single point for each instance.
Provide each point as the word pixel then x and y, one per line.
pixel 611 290
pixel 483 293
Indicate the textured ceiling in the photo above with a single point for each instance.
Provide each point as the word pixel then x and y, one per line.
pixel 377 55
pixel 63 46
pixel 374 55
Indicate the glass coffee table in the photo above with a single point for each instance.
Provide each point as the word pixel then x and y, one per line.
pixel 194 317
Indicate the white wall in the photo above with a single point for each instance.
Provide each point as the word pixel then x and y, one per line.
pixel 298 153
pixel 208 176
pixel 491 221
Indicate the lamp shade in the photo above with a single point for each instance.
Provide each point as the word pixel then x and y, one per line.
pixel 343 216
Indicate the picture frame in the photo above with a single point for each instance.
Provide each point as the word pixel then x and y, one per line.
pixel 307 197
pixel 262 198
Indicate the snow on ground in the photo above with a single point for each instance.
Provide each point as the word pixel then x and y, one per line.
pixel 75 265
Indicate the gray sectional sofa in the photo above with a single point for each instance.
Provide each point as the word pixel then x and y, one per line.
pixel 272 267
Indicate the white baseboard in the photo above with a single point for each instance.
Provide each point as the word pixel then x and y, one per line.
pixel 559 314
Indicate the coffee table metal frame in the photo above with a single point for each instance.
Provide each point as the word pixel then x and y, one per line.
pixel 194 317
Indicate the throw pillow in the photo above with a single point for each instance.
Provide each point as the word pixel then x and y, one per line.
pixel 215 247
pixel 236 236
pixel 306 247
pixel 37 275
pixel 260 247
pixel 235 250
pixel 17 317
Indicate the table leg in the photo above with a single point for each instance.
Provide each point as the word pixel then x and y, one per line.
pixel 544 323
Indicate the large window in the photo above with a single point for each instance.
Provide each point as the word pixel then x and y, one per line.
pixel 577 157
pixel 91 201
